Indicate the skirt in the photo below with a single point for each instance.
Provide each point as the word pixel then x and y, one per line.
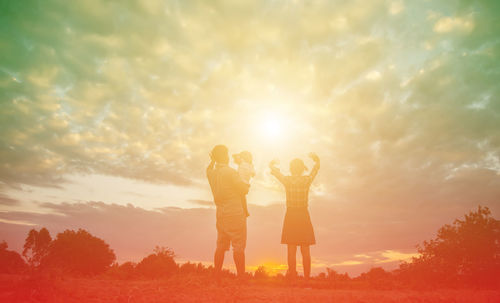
pixel 297 227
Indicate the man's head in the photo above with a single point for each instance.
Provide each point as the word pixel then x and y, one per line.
pixel 297 167
pixel 220 154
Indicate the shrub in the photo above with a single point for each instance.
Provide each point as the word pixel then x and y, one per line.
pixel 80 253
pixel 261 273
pixel 125 271
pixel 157 265
pixel 10 261
pixel 466 252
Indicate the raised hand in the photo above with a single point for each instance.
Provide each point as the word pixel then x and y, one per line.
pixel 314 157
pixel 273 163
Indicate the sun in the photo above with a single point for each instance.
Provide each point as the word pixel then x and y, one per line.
pixel 272 125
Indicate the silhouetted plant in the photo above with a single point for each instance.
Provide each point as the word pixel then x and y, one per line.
pixel 36 246
pixel 157 265
pixel 465 252
pixel 261 273
pixel 124 271
pixel 79 252
pixel 377 278
pixel 10 261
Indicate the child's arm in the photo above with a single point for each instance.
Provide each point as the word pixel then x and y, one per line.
pixel 314 170
pixel 276 172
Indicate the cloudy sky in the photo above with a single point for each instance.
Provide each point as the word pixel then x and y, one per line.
pixel 108 110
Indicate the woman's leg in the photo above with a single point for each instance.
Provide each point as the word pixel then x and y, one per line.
pixel 292 263
pixel 306 260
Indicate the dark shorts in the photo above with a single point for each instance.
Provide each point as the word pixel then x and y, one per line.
pixel 297 227
pixel 232 230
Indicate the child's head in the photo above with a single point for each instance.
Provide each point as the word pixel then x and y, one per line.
pixel 244 156
pixel 237 158
pixel 297 167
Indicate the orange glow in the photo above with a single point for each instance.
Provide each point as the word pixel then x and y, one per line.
pixel 272 268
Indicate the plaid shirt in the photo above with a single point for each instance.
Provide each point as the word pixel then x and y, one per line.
pixel 296 187
pixel 227 188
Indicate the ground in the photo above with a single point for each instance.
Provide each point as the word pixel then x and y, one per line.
pixel 25 289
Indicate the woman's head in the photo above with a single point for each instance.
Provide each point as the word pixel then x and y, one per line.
pixel 297 167
pixel 220 154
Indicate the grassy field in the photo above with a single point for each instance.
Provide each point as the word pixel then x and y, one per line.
pixel 194 289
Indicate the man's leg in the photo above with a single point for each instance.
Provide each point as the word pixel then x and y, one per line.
pixel 218 259
pixel 292 262
pixel 306 260
pixel 239 261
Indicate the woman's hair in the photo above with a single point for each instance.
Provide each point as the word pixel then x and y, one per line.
pixel 297 167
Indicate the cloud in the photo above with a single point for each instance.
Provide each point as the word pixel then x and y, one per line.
pixel 142 93
pixel 448 24
pixel 6 200
pixel 202 202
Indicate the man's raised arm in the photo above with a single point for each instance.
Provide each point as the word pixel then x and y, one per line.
pixel 211 165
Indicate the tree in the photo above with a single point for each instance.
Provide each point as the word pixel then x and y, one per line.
pixel 36 246
pixel 80 253
pixel 464 252
pixel 159 264
pixel 10 261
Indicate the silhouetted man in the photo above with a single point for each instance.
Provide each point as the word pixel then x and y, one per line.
pixel 227 189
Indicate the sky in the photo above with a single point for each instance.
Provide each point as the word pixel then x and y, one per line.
pixel 108 110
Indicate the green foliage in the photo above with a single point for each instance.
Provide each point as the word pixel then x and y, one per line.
pixel 465 252
pixel 36 246
pixel 10 261
pixel 125 271
pixel 80 253
pixel 157 265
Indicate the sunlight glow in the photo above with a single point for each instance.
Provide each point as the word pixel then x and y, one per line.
pixel 272 126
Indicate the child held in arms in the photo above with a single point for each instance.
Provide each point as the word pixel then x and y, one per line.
pixel 246 172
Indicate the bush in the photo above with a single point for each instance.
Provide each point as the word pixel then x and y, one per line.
pixel 466 252
pixel 261 273
pixel 125 271
pixel 78 252
pixel 10 261
pixel 157 265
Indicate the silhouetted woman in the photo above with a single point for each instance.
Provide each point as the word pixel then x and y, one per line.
pixel 297 226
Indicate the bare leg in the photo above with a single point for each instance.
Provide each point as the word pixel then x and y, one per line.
pixel 239 261
pixel 292 262
pixel 306 260
pixel 218 260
